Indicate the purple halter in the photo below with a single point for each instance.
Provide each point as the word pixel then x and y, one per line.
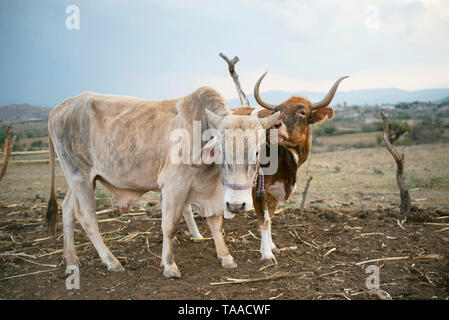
pixel 258 181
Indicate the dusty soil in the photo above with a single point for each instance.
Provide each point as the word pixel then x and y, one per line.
pixel 308 265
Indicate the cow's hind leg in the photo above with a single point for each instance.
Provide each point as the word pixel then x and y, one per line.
pixel 191 224
pixel 272 244
pixel 172 205
pixel 84 192
pixel 215 225
pixel 272 204
pixel 68 216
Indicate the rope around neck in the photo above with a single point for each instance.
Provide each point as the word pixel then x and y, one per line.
pixel 258 181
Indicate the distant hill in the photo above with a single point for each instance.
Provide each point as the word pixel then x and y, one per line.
pixel 444 100
pixel 23 112
pixel 355 97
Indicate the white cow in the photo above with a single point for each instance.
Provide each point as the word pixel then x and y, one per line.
pixel 124 143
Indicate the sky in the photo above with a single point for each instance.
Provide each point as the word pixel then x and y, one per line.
pixel 167 49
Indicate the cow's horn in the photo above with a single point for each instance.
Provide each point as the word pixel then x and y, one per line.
pixel 330 95
pixel 257 96
pixel 270 121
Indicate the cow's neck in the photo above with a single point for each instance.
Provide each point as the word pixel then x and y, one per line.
pixel 300 152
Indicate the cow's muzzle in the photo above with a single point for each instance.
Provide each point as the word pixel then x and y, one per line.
pixel 236 207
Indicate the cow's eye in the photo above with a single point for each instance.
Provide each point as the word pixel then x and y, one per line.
pixel 303 113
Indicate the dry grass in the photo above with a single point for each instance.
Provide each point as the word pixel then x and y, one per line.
pixel 359 178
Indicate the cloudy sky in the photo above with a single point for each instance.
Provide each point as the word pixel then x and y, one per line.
pixel 166 49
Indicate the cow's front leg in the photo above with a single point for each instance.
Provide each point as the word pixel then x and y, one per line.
pixel 263 217
pixel 215 225
pixel 266 244
pixel 172 210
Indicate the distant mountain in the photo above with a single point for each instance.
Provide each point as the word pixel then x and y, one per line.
pixel 355 97
pixel 444 100
pixel 23 112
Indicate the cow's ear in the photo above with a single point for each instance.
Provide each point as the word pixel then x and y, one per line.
pixel 209 153
pixel 212 119
pixel 320 114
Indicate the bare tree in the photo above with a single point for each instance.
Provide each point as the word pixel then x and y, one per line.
pixel 309 177
pixel 7 151
pixel 231 64
pixel 406 201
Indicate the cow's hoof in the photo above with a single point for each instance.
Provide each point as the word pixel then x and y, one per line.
pixel 116 268
pixel 269 261
pixel 228 262
pixel 72 262
pixel 114 265
pixel 172 271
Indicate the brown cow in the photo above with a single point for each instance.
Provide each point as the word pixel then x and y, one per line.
pixel 297 113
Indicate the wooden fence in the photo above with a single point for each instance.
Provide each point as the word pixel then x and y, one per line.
pixel 20 157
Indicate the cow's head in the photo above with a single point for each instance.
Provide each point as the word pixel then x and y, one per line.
pixel 298 113
pixel 238 142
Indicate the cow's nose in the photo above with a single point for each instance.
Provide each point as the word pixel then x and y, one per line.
pixel 235 207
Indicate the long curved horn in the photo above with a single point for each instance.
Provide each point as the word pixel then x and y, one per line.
pixel 330 95
pixel 257 96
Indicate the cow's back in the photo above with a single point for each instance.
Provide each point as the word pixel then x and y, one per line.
pixel 112 136
pixel 124 140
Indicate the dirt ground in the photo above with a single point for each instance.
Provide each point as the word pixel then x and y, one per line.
pixel 319 256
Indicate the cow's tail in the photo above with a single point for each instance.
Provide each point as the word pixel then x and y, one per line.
pixel 52 209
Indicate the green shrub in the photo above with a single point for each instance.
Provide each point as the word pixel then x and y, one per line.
pixel 36 144
pixel 396 129
pixel 29 133
pixel 427 131
pixel 325 129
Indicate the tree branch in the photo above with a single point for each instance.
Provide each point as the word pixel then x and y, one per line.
pixel 309 177
pixel 406 201
pixel 7 152
pixel 231 64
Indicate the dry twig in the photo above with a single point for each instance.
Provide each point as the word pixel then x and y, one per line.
pixel 28 274
pixel 148 249
pixel 422 256
pixel 330 251
pixel 276 275
pixel 305 242
pixel 382 259
pixel 231 64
